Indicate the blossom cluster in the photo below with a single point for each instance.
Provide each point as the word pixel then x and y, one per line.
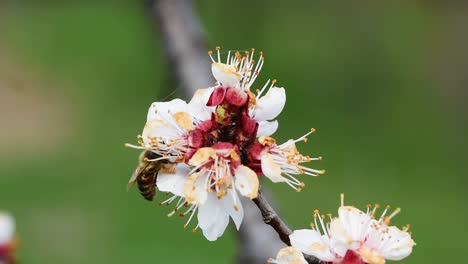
pixel 354 237
pixel 219 143
pixel 216 147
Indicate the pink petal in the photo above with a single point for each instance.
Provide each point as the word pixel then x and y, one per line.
pixel 206 126
pixel 217 97
pixel 196 138
pixel 249 125
pixel 256 151
pixel 236 97
pixel 352 257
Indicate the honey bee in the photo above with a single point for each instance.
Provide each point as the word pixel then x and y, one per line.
pixel 146 173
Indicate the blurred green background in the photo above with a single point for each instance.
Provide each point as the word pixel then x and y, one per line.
pixel 384 83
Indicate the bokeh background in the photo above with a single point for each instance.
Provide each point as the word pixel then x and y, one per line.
pixel 384 83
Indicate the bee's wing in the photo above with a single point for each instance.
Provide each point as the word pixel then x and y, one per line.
pixel 133 178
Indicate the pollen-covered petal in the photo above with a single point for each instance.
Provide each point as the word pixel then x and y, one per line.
pixel 226 74
pixel 311 242
pixel 270 105
pixel 271 169
pixel 160 110
pixel 184 120
pixel 197 106
pixel 399 246
pixel 246 182
pixel 267 128
pixel 195 189
pixel 7 227
pixel 158 128
pixel 355 224
pixel 212 218
pixel 233 207
pixel 173 182
pixel 201 156
pixel 369 255
pixel 289 255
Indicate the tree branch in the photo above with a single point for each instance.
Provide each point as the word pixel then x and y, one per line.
pixel 270 217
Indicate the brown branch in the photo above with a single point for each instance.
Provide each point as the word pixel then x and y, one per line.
pixel 270 217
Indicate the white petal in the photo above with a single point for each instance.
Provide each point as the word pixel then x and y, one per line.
pixel 246 181
pixel 310 242
pixel 399 246
pixel 212 218
pixel 233 206
pixel 158 128
pixel 338 247
pixel 270 105
pixel 289 255
pixel 355 223
pixel 195 190
pixel 267 128
pixel 160 110
pixel 173 182
pixel 270 169
pixel 197 106
pixel 340 237
pixel 7 227
pixel 225 74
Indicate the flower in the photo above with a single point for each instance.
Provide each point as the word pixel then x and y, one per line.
pixel 216 146
pixel 211 188
pixel 170 130
pixel 278 160
pixel 289 255
pixel 7 241
pixel 236 77
pixel 354 237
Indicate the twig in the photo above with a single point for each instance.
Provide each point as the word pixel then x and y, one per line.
pixel 270 217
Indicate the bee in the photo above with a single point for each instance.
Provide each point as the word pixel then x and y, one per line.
pixel 146 173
